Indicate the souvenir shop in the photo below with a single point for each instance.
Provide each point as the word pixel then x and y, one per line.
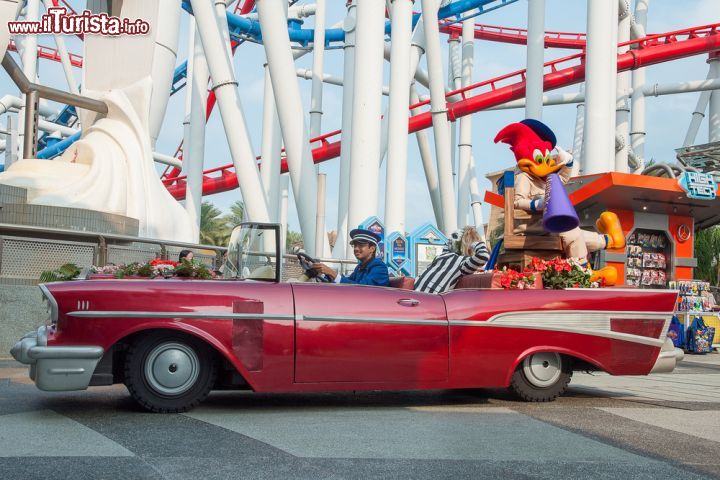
pixel 659 217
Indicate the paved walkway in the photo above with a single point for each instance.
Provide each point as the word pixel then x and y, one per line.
pixel 661 426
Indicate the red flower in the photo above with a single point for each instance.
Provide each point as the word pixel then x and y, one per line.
pixel 558 267
pixel 160 261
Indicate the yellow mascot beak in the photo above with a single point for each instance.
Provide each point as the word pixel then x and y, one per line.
pixel 541 167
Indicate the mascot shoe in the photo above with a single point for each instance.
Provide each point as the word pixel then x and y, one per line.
pixel 609 224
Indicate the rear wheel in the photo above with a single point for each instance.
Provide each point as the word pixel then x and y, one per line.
pixel 167 372
pixel 541 377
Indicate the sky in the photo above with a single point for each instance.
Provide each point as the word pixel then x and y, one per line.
pixel 668 117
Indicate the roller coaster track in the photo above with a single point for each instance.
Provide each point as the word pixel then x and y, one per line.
pixel 482 32
pixel 517 35
pixel 562 72
pixel 49 53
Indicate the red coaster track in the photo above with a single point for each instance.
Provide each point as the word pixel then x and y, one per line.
pixel 562 72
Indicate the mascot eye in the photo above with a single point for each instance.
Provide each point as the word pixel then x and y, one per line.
pixel 547 158
pixel 539 158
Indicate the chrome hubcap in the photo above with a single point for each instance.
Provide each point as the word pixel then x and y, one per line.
pixel 543 369
pixel 172 368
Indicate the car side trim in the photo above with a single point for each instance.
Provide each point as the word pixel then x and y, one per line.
pixel 396 321
pixel 216 315
pixel 595 333
pixel 596 323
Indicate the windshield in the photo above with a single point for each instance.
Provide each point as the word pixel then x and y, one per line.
pixel 253 252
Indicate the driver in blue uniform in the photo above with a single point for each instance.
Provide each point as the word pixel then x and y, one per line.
pixel 369 271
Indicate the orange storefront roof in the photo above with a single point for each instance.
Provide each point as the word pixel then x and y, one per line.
pixel 641 192
pixel 626 191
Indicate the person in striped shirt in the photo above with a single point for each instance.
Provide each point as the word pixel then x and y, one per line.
pixel 465 254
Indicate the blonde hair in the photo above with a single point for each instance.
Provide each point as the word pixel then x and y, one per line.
pixel 467 237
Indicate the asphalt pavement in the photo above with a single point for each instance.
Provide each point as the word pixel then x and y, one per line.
pixel 655 427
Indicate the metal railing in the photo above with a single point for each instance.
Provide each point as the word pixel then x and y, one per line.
pixel 33 93
pixel 27 251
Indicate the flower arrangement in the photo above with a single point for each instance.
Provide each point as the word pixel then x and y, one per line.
pixel 560 273
pixel 512 279
pixel 192 269
pixel 158 268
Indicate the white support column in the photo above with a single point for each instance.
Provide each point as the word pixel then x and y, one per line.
pixel 292 119
pixel 600 85
pixel 698 115
pixel 64 57
pixel 579 140
pixel 366 110
pixel 476 199
pixel 465 145
pixel 416 52
pixel 316 112
pixel 622 105
pixel 228 99
pixel 221 15
pixel 454 82
pixel 30 43
pixel 535 58
pixel 29 64
pixel 340 251
pixel 318 66
pixel 320 214
pixel 714 106
pixel 164 58
pixel 271 149
pixel 421 136
pixel 400 74
pixel 194 143
pixel 283 216
pixel 637 101
pixel 441 127
pixel 429 167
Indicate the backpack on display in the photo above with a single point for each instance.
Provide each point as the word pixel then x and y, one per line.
pixel 699 337
pixel 676 332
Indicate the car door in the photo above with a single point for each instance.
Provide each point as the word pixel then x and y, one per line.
pixel 349 333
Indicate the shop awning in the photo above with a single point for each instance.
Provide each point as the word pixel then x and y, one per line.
pixel 626 191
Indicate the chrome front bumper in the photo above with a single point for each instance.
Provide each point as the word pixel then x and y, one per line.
pixel 56 368
pixel 668 358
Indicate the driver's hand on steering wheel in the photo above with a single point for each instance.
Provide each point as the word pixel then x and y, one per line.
pixel 321 268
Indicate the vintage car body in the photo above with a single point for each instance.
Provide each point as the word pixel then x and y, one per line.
pixel 164 337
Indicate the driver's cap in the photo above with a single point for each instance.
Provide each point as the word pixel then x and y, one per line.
pixel 363 235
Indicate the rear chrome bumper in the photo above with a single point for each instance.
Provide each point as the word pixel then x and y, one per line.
pixel 668 358
pixel 56 368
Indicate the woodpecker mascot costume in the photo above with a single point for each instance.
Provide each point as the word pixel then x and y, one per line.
pixel 532 141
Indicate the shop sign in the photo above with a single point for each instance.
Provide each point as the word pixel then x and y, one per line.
pixel 700 186
pixel 399 252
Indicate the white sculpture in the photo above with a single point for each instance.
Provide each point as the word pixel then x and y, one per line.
pixel 109 169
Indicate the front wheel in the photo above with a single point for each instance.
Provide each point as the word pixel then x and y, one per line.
pixel 169 372
pixel 541 377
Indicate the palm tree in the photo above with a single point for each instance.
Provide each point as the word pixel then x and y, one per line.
pixel 707 252
pixel 213 230
pixel 293 239
pixel 236 215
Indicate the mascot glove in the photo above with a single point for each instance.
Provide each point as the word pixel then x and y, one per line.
pixel 537 204
pixel 564 158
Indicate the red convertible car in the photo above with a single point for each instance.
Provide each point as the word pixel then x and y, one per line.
pixel 173 341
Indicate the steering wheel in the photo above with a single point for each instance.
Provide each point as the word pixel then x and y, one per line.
pixel 306 262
